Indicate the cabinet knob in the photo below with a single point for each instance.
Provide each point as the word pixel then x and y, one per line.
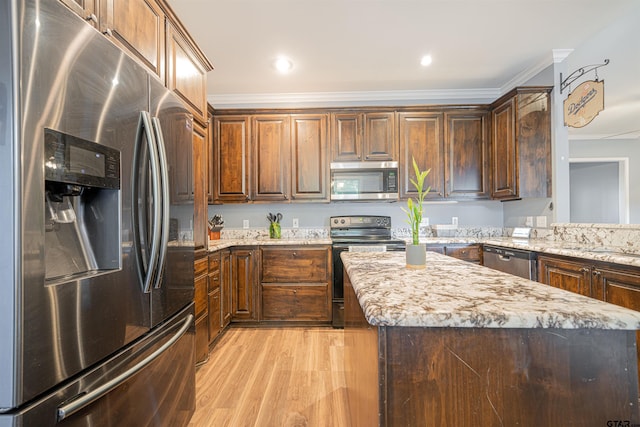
pixel 295 291
pixel 597 273
pixel 108 32
pixel 584 270
pixel 286 197
pixel 92 17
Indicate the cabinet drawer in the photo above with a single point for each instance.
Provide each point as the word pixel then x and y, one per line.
pixel 200 267
pixel 467 253
pixel 214 263
pixel 200 295
pixel 306 302
pixel 299 265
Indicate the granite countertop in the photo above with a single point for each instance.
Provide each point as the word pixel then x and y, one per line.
pixel 454 293
pixel 617 255
pixel 215 245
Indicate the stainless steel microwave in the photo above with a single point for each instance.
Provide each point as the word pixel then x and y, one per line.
pixel 364 181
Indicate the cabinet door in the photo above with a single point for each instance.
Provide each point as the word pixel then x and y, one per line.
pixel 271 161
pixel 202 318
pixel 186 74
pixel 213 297
pixel 380 137
pixel 138 26
pixel 620 288
pixel 309 168
pixel 533 130
pixel 421 137
pixel 244 283
pixel 87 9
pixel 504 160
pixel 231 158
pixel 225 287
pixel 466 169
pixel 571 276
pixel 196 189
pixel 346 137
pixel 617 287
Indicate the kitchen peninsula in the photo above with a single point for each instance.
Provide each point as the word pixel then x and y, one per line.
pixel 458 344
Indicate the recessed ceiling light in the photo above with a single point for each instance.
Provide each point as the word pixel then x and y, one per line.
pixel 283 65
pixel 426 60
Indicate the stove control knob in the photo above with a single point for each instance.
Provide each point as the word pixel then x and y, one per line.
pixel 342 221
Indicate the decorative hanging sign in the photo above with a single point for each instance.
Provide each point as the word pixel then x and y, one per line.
pixel 584 104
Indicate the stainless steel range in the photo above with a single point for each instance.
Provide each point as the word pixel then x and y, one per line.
pixel 370 233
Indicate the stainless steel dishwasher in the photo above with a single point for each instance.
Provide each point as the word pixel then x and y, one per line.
pixel 518 262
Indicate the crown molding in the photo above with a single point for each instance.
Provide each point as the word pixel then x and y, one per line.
pixel 339 99
pixel 526 75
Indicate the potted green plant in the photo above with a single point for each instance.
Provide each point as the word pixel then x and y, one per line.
pixel 416 253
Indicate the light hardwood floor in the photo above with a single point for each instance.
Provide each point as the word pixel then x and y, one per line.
pixel 282 377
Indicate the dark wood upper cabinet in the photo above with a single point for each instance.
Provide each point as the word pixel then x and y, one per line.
pixel 198 190
pixel 363 136
pixel 309 167
pixel 421 137
pixel 187 73
pixel 87 9
pixel 230 168
pixel 467 155
pixel 346 136
pixel 271 164
pixel 138 26
pixel 521 144
pixel 379 137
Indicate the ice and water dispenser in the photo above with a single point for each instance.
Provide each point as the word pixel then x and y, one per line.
pixel 82 207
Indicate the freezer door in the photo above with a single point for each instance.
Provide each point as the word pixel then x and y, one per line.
pixel 74 81
pixel 150 384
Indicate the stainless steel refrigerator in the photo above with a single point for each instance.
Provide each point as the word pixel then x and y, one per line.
pixel 96 264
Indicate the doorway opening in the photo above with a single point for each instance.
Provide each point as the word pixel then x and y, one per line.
pixel 599 190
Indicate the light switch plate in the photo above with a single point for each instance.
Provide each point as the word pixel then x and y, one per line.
pixel 245 224
pixel 541 221
pixel 295 223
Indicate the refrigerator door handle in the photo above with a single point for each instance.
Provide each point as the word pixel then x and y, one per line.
pixel 147 274
pixel 164 184
pixel 68 409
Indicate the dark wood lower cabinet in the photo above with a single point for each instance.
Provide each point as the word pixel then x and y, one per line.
pixel 296 283
pixel 603 281
pixel 466 252
pixel 244 285
pixel 574 276
pixel 225 287
pixel 201 309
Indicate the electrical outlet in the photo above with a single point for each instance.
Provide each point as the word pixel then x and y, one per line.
pixel 295 223
pixel 425 221
pixel 454 220
pixel 245 224
pixel 541 221
pixel 529 221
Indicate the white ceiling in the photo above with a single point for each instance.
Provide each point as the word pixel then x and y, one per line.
pixel 366 52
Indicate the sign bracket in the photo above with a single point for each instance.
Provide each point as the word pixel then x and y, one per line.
pixel 579 73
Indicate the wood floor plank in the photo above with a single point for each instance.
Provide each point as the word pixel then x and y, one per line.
pixel 284 377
